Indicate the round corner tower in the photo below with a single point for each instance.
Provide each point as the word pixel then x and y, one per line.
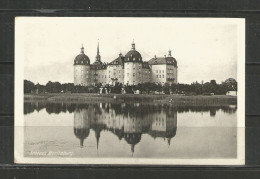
pixel 82 69
pixel 133 67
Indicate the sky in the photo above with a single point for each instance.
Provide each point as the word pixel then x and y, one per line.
pixel 205 48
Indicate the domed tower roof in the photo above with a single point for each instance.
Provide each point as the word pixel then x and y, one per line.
pixel 81 134
pixel 133 139
pixel 81 59
pixel 133 55
pixel 171 59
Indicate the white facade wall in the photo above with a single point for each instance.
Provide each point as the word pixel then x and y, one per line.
pixel 82 75
pixel 159 73
pixel 133 73
pixel 115 72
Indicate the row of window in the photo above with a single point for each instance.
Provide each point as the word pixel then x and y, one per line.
pixel 133 74
pixel 160 71
pixel 114 71
pixel 104 76
pixel 159 76
pixel 127 59
pixel 137 64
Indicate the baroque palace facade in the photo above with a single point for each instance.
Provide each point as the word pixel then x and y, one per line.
pixel 128 70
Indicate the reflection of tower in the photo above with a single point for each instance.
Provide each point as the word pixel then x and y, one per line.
pixel 97 134
pixel 164 125
pixel 81 125
pixel 132 131
pixel 133 139
pixel 171 125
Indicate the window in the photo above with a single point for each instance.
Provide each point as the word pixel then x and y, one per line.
pixel 156 71
pixel 133 74
pixel 159 76
pixel 127 74
pixel 159 71
pixel 163 76
pixel 163 71
pixel 156 76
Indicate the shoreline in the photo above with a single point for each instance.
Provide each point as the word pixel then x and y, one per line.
pixel 199 100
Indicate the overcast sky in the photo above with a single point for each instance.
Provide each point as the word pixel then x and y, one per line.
pixel 205 49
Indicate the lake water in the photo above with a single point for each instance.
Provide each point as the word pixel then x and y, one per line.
pixel 129 130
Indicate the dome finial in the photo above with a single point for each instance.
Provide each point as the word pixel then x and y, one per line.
pixel 133 45
pixel 82 49
pixel 120 54
pixel 170 53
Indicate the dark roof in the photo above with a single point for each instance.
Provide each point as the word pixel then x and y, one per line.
pixel 98 66
pixel 118 61
pixel 163 60
pixel 133 56
pixel 132 138
pixel 81 59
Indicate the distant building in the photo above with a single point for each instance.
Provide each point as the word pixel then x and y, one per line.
pixel 232 93
pixel 128 70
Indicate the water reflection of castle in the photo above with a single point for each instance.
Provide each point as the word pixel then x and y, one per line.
pixel 125 122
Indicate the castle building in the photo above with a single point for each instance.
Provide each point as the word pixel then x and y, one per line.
pixel 127 70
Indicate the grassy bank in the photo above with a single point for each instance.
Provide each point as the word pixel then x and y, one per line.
pixel 216 100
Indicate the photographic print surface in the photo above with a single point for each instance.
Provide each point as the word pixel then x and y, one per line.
pixel 152 91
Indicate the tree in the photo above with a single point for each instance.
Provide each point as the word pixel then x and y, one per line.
pixel 166 88
pixel 28 86
pixel 231 84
